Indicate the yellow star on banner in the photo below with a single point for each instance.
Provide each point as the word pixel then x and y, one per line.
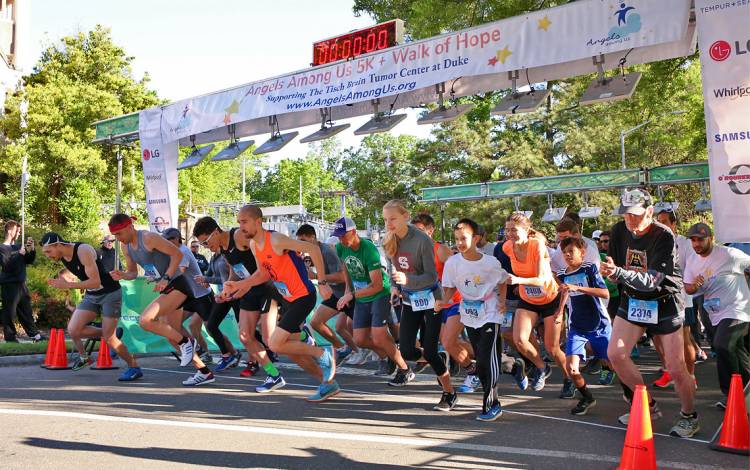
pixel 233 108
pixel 503 54
pixel 544 23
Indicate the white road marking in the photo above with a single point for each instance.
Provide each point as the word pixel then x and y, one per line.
pixel 426 444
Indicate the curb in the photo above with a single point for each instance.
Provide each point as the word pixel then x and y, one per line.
pixel 37 359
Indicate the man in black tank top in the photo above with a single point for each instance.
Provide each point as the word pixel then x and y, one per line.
pixel 256 305
pixel 103 296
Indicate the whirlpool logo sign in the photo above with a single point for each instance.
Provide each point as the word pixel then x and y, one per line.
pixel 738 179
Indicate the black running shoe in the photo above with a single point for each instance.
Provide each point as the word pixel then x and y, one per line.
pixel 402 378
pixel 447 402
pixel 583 406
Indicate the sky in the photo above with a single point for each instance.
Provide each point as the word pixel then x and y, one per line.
pixel 193 47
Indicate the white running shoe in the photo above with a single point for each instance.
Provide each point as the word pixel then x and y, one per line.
pixel 199 379
pixel 186 352
pixel 358 358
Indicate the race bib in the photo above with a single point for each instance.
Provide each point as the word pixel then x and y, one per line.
pixel 507 320
pixel 359 285
pixel 150 272
pixel 422 300
pixel 533 291
pixel 472 308
pixel 241 271
pixel 577 280
pixel 282 288
pixel 643 311
pixel 712 305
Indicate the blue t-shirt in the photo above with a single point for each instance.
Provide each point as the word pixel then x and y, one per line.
pixel 505 263
pixel 587 313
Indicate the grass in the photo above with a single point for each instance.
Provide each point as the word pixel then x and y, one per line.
pixel 20 349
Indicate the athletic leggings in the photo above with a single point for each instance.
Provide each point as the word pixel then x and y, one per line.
pixel 491 362
pixel 411 322
pixel 218 313
pixel 732 357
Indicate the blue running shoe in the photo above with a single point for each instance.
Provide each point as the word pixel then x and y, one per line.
pixel 606 377
pixel 470 385
pixel 492 414
pixel 520 374
pixel 635 353
pixel 130 374
pixel 271 384
pixel 325 391
pixel 342 354
pixel 328 363
pixel 225 363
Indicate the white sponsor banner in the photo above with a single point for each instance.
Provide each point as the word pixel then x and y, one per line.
pixel 572 32
pixel 724 41
pixel 159 172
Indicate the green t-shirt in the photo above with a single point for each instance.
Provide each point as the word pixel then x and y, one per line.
pixel 359 264
pixel 611 286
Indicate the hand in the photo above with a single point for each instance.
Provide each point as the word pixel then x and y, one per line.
pixel 22 251
pixel 513 280
pixel 325 291
pixel 399 278
pixel 236 289
pixel 117 275
pixel 438 305
pixel 344 301
pixel 607 267
pixel 161 285
pixel 558 316
pixel 571 287
pixel 223 297
pixel 699 281
pixel 30 244
pixel 58 283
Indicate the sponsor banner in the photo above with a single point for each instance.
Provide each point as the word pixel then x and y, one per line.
pixel 724 42
pixel 568 33
pixel 159 172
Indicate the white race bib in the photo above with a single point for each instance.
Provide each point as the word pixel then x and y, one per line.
pixel 422 300
pixel 473 309
pixel 577 280
pixel 359 285
pixel 507 320
pixel 150 272
pixel 643 311
pixel 282 288
pixel 712 305
pixel 241 271
pixel 533 291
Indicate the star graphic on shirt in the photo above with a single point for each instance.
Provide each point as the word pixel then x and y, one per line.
pixel 544 23
pixel 502 55
pixel 492 61
pixel 467 282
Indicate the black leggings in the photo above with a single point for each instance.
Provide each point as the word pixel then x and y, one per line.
pixel 491 362
pixel 732 357
pixel 411 322
pixel 17 303
pixel 218 313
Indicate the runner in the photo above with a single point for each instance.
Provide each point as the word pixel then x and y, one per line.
pixel 540 296
pixel 643 259
pixel 589 322
pixel 103 296
pixel 367 284
pixel 415 277
pixel 277 260
pixel 161 261
pixel 481 281
pixel 718 272
pixel 335 277
pixel 253 302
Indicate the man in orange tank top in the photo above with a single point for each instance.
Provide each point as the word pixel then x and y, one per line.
pixel 278 261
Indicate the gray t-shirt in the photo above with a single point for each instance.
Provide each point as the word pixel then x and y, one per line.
pixel 333 265
pixel 191 270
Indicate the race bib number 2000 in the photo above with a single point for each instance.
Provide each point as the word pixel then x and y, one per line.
pixel 643 311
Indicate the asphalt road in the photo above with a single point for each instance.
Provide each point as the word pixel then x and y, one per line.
pixel 86 419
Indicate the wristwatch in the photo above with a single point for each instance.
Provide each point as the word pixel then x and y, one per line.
pixel 322 282
pixel 166 277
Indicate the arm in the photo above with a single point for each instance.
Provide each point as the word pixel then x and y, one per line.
pixel 543 271
pixel 429 271
pixel 592 291
pixel 502 293
pixel 88 257
pixel 375 285
pixel 131 269
pixel 30 254
pixel 282 242
pixel 152 242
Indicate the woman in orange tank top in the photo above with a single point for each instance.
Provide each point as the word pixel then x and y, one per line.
pixel 540 296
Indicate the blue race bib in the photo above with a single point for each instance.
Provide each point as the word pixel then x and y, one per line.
pixel 240 271
pixel 422 300
pixel 473 309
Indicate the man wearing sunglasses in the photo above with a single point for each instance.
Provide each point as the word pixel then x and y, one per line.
pixel 643 260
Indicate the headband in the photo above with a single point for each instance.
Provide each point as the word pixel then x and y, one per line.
pixel 119 226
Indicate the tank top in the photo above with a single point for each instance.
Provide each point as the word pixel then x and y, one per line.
pixel 536 295
pixel 288 271
pixel 439 266
pixel 242 262
pixel 154 263
pixel 76 267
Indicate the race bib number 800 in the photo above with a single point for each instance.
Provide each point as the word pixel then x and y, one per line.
pixel 422 300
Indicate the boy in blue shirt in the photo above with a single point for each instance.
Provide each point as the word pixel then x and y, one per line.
pixel 589 322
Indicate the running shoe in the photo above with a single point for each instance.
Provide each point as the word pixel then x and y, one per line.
pixel 664 381
pixel 519 374
pixel 592 367
pixel 251 369
pixel 307 335
pixel 721 404
pixel 372 356
pixel 583 406
pixel 38 338
pixel 228 361
pixel 207 358
pixel 327 363
pixel 686 426
pixel 82 362
pixel 325 391
pixel 447 402
pixel 402 378
pixel 130 374
pixel 492 414
pixel 700 356
pixel 271 384
pixel 655 414
pixel 635 353
pixel 342 354
pixel 358 358
pixel 607 377
pixel 199 379
pixel 547 371
pixel 186 352
pixel 386 367
pixel 420 366
pixel 538 378
pixel 470 385
pixel 568 390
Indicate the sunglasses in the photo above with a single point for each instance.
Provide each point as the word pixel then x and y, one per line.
pixel 205 242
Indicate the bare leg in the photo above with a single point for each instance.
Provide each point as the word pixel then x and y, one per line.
pixel 344 330
pixel 319 324
pixel 79 328
pixel 523 324
pixel 109 325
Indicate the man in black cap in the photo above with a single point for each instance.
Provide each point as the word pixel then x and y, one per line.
pixel 718 272
pixel 643 259
pixel 15 295
pixel 107 253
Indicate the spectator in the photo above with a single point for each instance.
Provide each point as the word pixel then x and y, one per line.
pixel 485 246
pixel 202 261
pixel 108 254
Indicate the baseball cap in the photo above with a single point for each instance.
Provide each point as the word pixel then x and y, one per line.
pixel 343 225
pixel 635 202
pixel 51 238
pixel 171 232
pixel 699 230
pixel 596 235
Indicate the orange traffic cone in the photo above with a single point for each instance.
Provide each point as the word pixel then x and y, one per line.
pixel 50 348
pixel 638 451
pixel 104 358
pixel 60 356
pixel 735 431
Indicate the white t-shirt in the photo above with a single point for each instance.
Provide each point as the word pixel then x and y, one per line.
pixel 557 259
pixel 684 249
pixel 726 294
pixel 476 281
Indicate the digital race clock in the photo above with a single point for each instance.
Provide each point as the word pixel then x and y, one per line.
pixel 363 41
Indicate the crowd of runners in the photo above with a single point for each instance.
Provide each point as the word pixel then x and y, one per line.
pixel 515 307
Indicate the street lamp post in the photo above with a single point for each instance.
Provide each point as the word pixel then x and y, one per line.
pixel 624 133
